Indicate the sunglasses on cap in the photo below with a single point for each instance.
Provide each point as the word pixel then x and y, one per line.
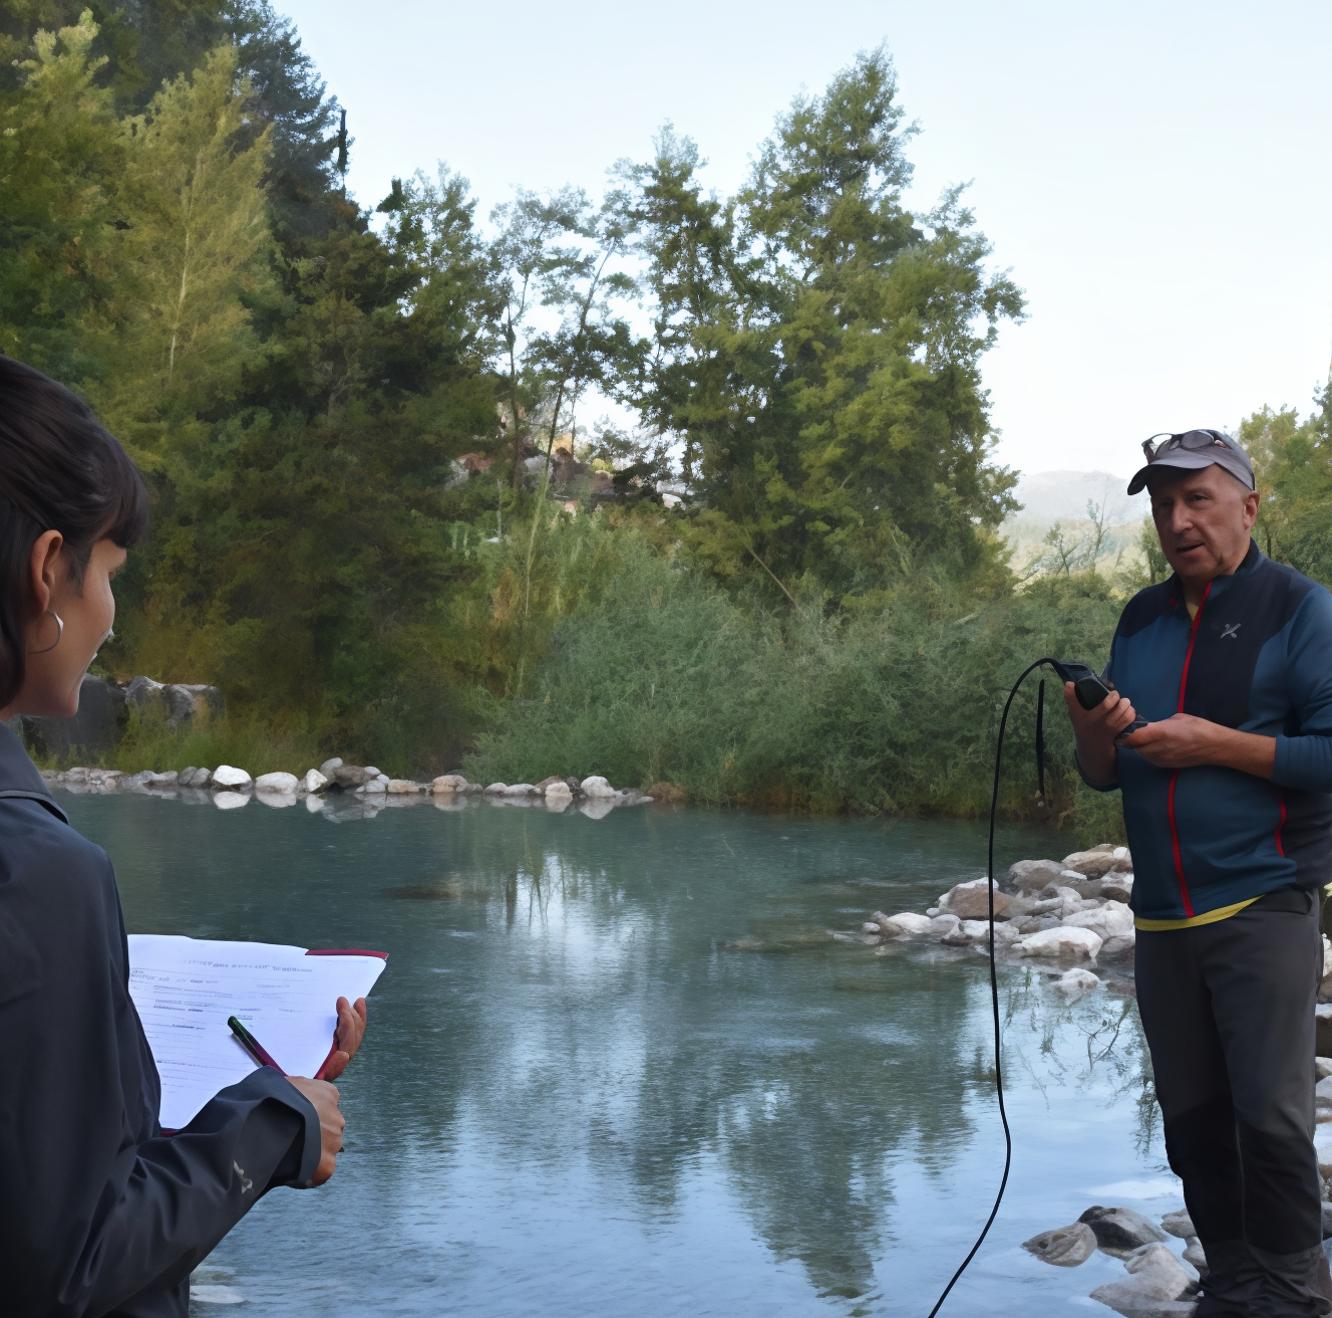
pixel 1189 439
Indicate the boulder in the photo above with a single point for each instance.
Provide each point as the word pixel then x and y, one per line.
pixel 1117 887
pixel 906 924
pixel 286 783
pixel 374 771
pixel 329 766
pixel 403 787
pixel 1100 861
pixel 376 786
pixel 520 789
pixel 1063 941
pixel 95 729
pixel 1121 1230
pixel 228 800
pixel 1076 982
pixel 559 791
pixel 351 776
pixel 1323 1148
pixel 1157 1283
pixel 227 776
pixel 595 787
pixel 547 782
pixel 1323 1029
pixel 943 925
pixel 449 783
pixel 1118 945
pixel 977 933
pixel 1113 920
pixel 1033 875
pixel 1065 1246
pixel 1195 1254
pixel 176 702
pixel 197 778
pixel 970 901
pixel 1323 1067
pixel 314 781
pixel 496 789
pixel 670 793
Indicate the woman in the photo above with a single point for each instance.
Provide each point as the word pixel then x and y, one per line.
pixel 100 1213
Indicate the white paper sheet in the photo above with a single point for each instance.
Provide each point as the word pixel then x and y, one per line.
pixel 185 988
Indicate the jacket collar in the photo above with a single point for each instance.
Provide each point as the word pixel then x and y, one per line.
pixel 18 774
pixel 1251 562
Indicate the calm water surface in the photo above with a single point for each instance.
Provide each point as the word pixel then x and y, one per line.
pixel 618 1067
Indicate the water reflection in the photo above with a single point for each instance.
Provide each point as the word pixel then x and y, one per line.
pixel 619 1065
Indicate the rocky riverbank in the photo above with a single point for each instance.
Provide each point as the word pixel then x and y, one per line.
pixel 345 790
pixel 1068 916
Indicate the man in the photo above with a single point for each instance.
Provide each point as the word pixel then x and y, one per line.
pixel 1229 818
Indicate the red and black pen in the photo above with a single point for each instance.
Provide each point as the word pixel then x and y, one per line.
pixel 252 1045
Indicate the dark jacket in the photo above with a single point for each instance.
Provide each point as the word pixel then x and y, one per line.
pixel 1257 656
pixel 100 1213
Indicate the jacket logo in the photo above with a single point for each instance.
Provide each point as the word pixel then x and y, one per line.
pixel 245 1183
pixel 1230 630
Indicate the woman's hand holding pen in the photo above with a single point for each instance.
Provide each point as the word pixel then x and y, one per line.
pixel 346 1038
pixel 325 1100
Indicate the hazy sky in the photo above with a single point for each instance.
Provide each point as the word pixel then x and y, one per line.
pixel 1155 175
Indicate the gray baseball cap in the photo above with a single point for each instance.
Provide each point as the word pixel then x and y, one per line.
pixel 1192 450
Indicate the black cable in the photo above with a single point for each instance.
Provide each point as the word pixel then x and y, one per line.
pixel 1040 742
pixel 994 980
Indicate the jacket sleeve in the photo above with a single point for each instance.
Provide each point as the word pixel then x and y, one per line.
pixel 170 1200
pixel 1304 758
pixel 96 1205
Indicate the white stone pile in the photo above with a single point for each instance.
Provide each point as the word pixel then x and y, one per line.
pixel 1160 1283
pixel 230 786
pixel 1073 910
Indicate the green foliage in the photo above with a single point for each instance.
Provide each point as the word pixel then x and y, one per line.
pixel 258 744
pixel 664 677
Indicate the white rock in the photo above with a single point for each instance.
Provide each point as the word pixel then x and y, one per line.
pixel 1113 920
pixel 373 771
pixel 1195 1254
pixel 559 790
pixel 375 787
pixel 276 800
pixel 906 924
pixel 943 925
pixel 1327 958
pixel 403 787
pixel 329 765
pixel 970 900
pixel 1323 1147
pixel 449 782
pixel 596 786
pixel 230 800
pixel 314 782
pixel 314 804
pixel 520 789
pixel 277 782
pixel 497 789
pixel 1076 982
pixel 1323 1067
pixel 227 775
pixel 1062 941
pixel 1179 1224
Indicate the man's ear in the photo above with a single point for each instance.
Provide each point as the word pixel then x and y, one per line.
pixel 45 564
pixel 1251 502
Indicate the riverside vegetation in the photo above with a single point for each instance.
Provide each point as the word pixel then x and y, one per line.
pixel 782 586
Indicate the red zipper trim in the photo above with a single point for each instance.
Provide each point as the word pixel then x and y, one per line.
pixel 1281 823
pixel 1174 777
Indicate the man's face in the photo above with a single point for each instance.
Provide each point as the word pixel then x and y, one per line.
pixel 1203 519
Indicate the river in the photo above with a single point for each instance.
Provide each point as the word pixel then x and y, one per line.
pixel 618 1066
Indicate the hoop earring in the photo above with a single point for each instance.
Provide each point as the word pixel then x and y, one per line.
pixel 60 631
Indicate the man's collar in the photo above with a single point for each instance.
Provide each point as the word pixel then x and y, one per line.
pixel 19 774
pixel 1248 564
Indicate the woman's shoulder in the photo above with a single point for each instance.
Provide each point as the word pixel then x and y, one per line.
pixel 39 847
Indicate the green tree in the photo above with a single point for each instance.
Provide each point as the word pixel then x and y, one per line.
pixel 190 247
pixel 841 408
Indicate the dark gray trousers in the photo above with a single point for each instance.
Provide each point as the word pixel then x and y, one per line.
pixel 1228 1011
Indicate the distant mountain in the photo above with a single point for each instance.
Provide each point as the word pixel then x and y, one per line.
pixel 1060 498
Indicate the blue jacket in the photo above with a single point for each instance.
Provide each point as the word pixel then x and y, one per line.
pixel 1257 656
pixel 100 1213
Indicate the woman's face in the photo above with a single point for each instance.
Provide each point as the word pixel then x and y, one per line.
pixel 88 607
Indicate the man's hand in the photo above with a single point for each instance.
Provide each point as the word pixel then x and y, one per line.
pixel 1096 730
pixel 1184 741
pixel 346 1038
pixel 325 1100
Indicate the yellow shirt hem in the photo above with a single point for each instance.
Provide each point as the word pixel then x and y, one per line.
pixel 1193 921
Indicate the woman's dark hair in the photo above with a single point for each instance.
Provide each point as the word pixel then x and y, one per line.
pixel 60 470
